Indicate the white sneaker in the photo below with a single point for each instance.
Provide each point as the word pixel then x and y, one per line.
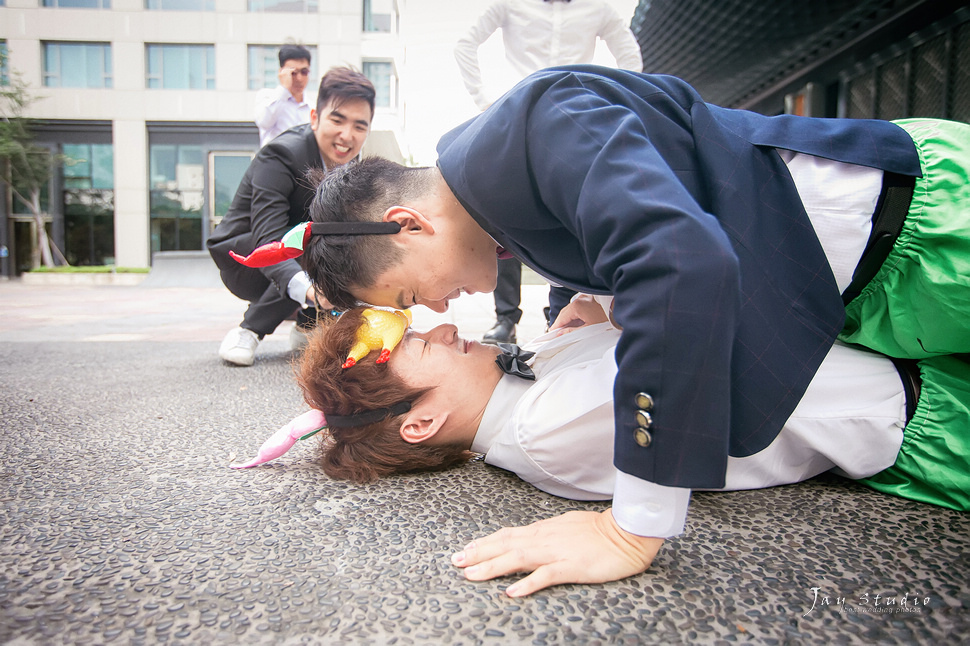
pixel 239 347
pixel 298 338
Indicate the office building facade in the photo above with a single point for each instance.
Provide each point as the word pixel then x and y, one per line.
pixel 150 104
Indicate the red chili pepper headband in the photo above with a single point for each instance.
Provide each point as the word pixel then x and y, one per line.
pixel 292 244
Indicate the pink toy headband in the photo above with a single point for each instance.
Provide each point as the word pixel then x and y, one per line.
pixel 379 330
pixel 312 422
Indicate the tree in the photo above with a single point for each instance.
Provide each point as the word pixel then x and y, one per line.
pixel 27 167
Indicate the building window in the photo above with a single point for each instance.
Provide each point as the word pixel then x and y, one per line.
pixel 89 204
pixel 180 5
pixel 381 74
pixel 176 197
pixel 294 6
pixel 180 67
pixel 264 64
pixel 377 15
pixel 77 65
pixel 226 170
pixel 78 4
pixel 4 70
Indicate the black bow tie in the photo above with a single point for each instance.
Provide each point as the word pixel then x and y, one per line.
pixel 512 361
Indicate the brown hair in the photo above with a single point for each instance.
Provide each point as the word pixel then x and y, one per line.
pixel 363 453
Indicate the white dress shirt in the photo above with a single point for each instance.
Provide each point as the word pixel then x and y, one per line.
pixel 277 111
pixel 557 432
pixel 539 34
pixel 850 419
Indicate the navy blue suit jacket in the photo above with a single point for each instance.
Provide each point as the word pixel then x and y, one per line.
pixel 608 181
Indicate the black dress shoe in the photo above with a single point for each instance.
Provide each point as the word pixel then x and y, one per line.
pixel 502 332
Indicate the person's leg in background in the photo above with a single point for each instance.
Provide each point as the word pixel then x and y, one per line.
pixel 267 309
pixel 559 297
pixel 306 321
pixel 508 297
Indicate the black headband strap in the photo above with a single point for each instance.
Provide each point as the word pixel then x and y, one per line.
pixel 367 417
pixel 353 228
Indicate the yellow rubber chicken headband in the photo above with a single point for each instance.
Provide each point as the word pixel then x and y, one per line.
pixel 383 330
pixel 379 330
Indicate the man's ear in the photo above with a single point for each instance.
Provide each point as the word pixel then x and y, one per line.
pixel 411 220
pixel 421 425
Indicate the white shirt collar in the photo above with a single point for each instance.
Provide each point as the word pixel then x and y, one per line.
pixel 547 348
pixel 506 395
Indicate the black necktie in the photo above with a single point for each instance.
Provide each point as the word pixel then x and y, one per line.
pixel 512 361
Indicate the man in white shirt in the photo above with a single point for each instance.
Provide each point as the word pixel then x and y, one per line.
pixel 545 33
pixel 283 107
pixel 550 418
pixel 539 34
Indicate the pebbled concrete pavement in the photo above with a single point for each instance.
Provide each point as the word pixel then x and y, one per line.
pixel 120 521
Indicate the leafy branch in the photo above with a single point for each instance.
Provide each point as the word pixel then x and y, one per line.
pixel 26 167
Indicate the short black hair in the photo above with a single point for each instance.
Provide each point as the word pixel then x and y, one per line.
pixel 293 53
pixel 358 192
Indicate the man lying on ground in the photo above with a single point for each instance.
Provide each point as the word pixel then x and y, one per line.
pixel 548 417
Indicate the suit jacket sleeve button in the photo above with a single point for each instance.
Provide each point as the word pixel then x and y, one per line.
pixel 642 437
pixel 644 420
pixel 644 401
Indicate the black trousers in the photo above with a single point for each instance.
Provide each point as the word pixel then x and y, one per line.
pixel 558 298
pixel 508 293
pixel 508 290
pixel 267 307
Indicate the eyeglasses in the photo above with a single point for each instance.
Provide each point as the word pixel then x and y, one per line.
pixel 302 71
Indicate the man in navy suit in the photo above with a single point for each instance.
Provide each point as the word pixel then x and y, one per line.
pixel 730 241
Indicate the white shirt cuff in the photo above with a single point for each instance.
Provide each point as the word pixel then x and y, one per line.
pixel 647 509
pixel 298 287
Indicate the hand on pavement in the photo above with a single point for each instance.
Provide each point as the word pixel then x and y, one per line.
pixel 577 547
